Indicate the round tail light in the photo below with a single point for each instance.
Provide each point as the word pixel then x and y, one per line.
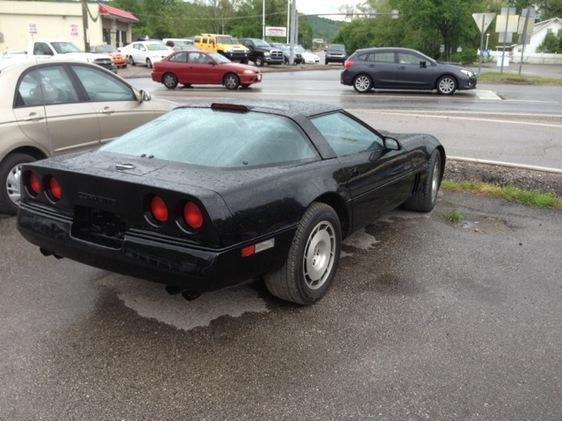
pixel 158 209
pixel 33 183
pixel 55 190
pixel 192 215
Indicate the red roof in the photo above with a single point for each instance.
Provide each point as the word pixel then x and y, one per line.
pixel 114 11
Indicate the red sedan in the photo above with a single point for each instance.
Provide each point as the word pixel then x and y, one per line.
pixel 196 67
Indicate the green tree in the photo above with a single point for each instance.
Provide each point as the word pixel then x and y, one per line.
pixel 552 43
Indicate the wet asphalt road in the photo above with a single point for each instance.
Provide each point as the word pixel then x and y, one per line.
pixel 518 124
pixel 426 320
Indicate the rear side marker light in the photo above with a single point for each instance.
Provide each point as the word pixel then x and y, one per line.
pixel 256 248
pixel 192 215
pixel 55 190
pixel 33 183
pixel 158 209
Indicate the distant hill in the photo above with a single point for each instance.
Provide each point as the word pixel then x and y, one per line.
pixel 324 28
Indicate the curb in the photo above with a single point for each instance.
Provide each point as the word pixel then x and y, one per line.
pixel 506 164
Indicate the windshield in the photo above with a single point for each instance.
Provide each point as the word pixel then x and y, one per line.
pixel 226 40
pixel 336 48
pixel 215 138
pixel 65 47
pixel 299 49
pixel 155 46
pixel 219 58
pixel 261 43
pixel 105 49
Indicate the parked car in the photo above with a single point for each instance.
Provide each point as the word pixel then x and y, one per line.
pixel 145 52
pixel 210 195
pixel 119 60
pixel 196 67
pixel 225 45
pixel 179 44
pixel 286 48
pixel 307 56
pixel 61 49
pixel 335 53
pixel 402 68
pixel 260 52
pixel 49 107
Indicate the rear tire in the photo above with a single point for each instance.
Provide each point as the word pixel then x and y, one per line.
pixel 10 187
pixel 362 83
pixel 313 258
pixel 170 80
pixel 231 81
pixel 132 61
pixel 148 63
pixel 424 198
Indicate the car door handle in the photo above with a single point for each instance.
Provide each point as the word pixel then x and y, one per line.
pixel 33 117
pixel 106 110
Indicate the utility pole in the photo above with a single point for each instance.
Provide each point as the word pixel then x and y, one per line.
pixel 85 25
pixel 288 18
pixel 524 36
pixel 263 20
pixel 293 32
pixel 481 44
pixel 505 36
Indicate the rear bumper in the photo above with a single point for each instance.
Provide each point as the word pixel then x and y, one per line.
pixel 346 77
pixel 151 257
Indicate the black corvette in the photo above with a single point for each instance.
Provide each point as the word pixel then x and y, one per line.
pixel 210 195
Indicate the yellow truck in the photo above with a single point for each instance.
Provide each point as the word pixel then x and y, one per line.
pixel 223 44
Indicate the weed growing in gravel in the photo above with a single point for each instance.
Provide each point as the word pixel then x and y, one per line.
pixel 455 216
pixel 513 194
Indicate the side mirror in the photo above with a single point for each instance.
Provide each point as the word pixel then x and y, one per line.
pixel 423 64
pixel 391 144
pixel 142 96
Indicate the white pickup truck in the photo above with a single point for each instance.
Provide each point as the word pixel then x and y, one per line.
pixel 60 49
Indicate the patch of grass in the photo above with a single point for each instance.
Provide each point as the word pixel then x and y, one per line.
pixel 455 216
pixel 514 78
pixel 534 198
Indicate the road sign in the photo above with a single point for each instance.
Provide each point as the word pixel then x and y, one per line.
pixel 526 31
pixel 74 30
pixel 483 20
pixel 509 17
pixel 32 28
pixel 276 31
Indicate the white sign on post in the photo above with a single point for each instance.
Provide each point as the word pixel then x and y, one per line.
pixel 73 30
pixel 32 28
pixel 275 31
pixel 488 18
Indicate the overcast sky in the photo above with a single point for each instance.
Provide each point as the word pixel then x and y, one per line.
pixel 323 6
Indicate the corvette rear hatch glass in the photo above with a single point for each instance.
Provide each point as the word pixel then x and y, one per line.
pixel 217 138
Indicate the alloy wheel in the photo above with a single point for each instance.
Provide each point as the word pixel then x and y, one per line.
pixel 362 83
pixel 231 82
pixel 170 81
pixel 435 180
pixel 447 85
pixel 319 255
pixel 13 186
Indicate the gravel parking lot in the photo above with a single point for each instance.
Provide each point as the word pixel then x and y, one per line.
pixel 426 320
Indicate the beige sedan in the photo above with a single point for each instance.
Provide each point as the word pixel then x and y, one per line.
pixel 48 108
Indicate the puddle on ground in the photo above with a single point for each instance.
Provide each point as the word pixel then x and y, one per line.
pixel 486 225
pixel 361 239
pixel 149 299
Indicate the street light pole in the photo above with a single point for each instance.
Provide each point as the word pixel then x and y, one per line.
pixel 263 19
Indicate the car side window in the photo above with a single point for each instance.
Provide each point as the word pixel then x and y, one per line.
pixel 41 49
pixel 199 58
pixel 408 58
pixel 345 135
pixel 47 85
pixel 102 87
pixel 382 57
pixel 179 57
